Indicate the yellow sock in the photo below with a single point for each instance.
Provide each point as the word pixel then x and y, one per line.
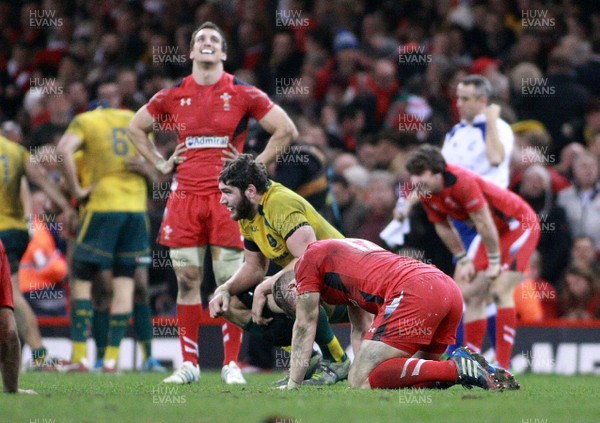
pixel 336 350
pixel 79 352
pixel 112 353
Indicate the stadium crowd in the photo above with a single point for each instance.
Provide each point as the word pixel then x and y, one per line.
pixel 364 82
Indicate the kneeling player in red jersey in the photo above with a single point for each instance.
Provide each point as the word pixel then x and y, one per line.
pixel 416 309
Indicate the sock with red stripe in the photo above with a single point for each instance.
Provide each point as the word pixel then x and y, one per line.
pixel 506 322
pixel 474 334
pixel 188 323
pixel 232 342
pixel 412 372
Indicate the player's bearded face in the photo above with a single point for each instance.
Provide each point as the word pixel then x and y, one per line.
pixel 243 210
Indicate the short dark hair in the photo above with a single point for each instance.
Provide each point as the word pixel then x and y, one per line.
pixel 209 25
pixel 282 295
pixel 425 157
pixel 482 85
pixel 244 171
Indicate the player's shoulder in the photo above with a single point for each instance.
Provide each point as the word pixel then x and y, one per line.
pixel 281 197
pixel 11 146
pixel 240 86
pixel 456 175
pixel 180 86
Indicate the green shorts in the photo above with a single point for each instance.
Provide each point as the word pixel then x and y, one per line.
pixel 15 241
pixel 113 238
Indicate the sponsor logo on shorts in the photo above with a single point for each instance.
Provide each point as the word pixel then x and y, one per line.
pixel 206 142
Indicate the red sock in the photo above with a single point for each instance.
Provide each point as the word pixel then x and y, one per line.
pixel 474 334
pixel 232 342
pixel 506 322
pixel 188 323
pixel 411 372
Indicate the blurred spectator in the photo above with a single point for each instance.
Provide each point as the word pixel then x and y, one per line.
pixel 555 238
pixel 127 81
pixel 594 145
pixel 588 71
pixel 391 150
pixel 591 124
pixel 535 298
pixel 567 157
pixel 380 84
pixel 581 201
pixel 558 100
pixel 579 297
pixel 533 146
pixel 303 168
pixel 583 254
pixel 79 98
pixel 43 267
pixel 346 212
pixel 380 199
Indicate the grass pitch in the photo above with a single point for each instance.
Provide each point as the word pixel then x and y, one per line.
pixel 140 398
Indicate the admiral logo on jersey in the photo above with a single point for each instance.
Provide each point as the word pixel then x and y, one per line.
pixel 206 142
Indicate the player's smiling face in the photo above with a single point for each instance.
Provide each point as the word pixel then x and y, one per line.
pixel 468 102
pixel 208 47
pixel 236 201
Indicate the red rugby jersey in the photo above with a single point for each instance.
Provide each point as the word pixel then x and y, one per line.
pixel 355 272
pixel 466 192
pixel 206 118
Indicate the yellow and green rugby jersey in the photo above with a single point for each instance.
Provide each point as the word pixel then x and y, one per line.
pixel 280 213
pixel 106 148
pixel 12 168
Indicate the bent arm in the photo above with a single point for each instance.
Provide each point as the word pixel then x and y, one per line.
pixel 282 130
pixel 250 273
pixel 138 131
pixel 486 228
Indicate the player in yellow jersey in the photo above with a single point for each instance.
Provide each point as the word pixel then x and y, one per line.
pixel 276 224
pixel 15 163
pixel 102 293
pixel 112 238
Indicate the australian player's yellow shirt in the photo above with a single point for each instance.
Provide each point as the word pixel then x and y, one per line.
pixel 12 168
pixel 106 148
pixel 281 211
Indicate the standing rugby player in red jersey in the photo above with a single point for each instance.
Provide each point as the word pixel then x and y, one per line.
pixel 507 235
pixel 210 110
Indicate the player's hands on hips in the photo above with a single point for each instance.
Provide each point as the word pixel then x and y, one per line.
pixel 230 153
pixel 219 303
pixel 492 112
pixel 258 302
pixel 175 159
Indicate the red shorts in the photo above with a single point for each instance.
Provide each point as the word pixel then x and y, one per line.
pixel 516 246
pixel 420 313
pixel 198 220
pixel 6 291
